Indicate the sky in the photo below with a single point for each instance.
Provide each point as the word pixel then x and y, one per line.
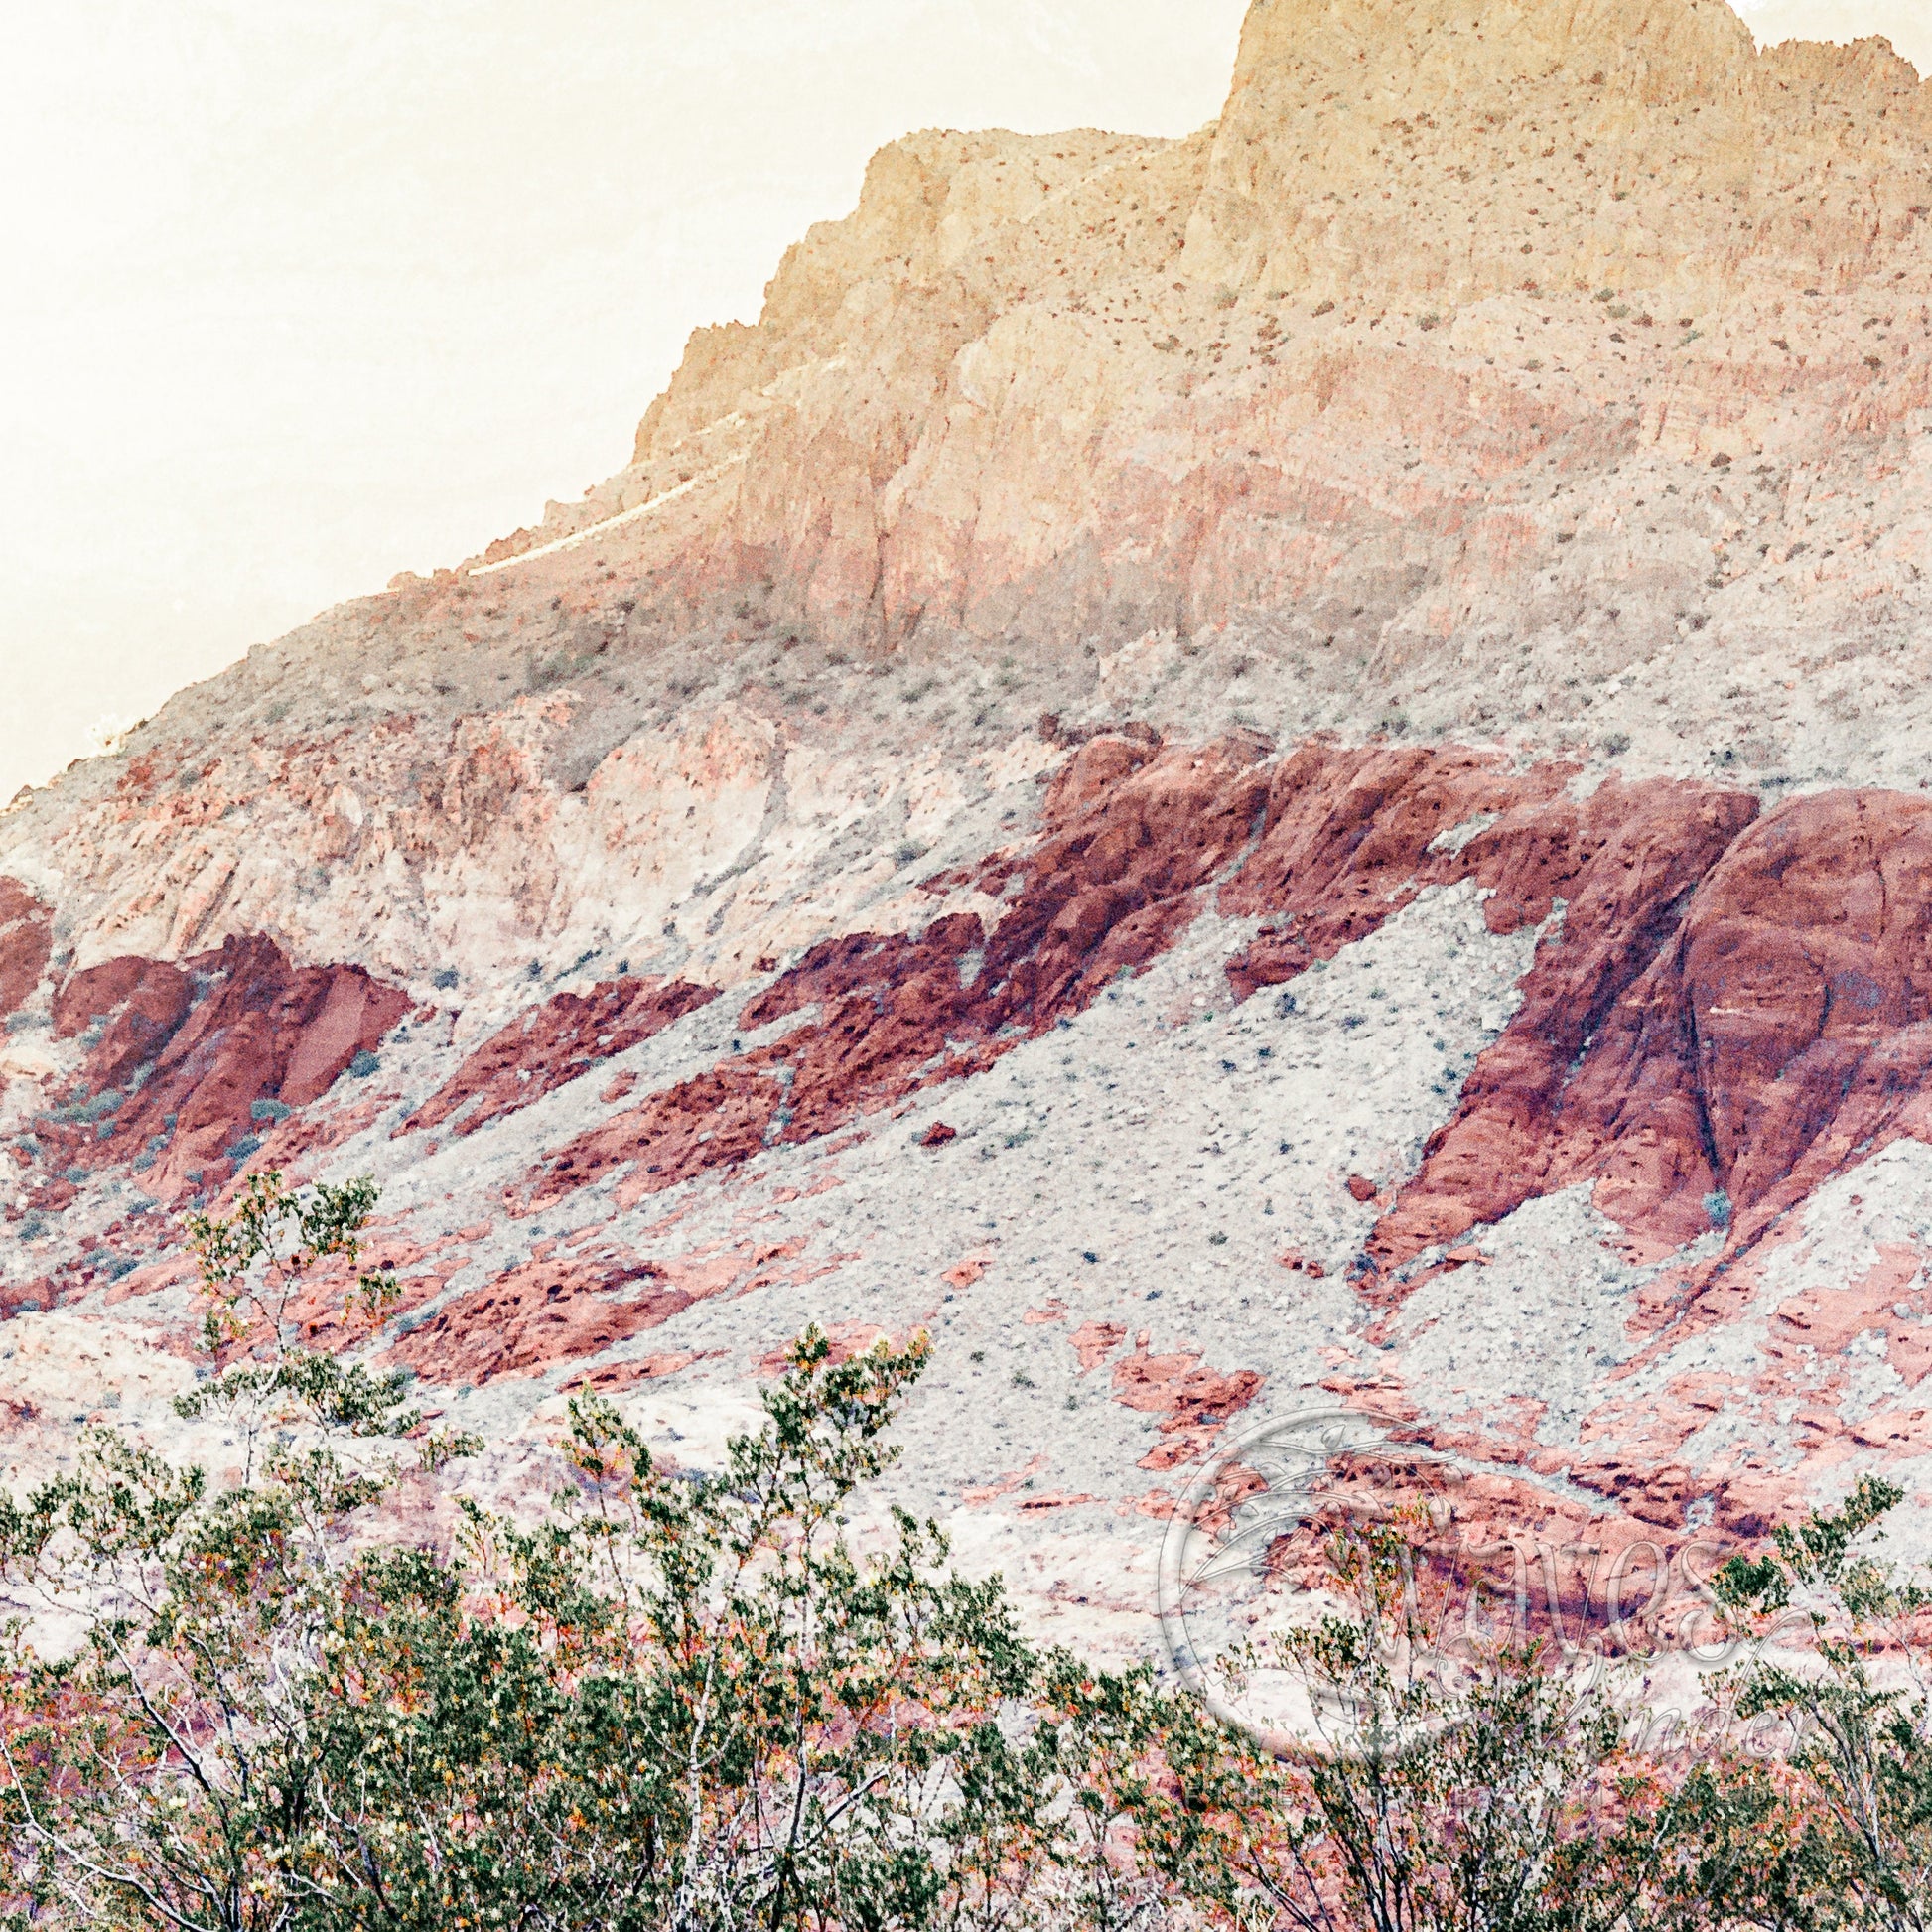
pixel 303 292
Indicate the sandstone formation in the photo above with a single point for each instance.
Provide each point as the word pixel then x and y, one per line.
pixel 25 944
pixel 1278 769
pixel 554 1044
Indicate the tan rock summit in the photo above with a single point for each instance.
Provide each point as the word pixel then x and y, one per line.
pixel 1460 150
pixel 1439 328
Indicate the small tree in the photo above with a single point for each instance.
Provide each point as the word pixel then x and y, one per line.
pixel 157 1767
pixel 683 1700
pixel 1486 1791
pixel 256 1267
pixel 1834 1830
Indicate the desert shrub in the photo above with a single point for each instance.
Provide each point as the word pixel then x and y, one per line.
pixel 156 1771
pixel 1443 1788
pixel 684 1700
pixel 679 1701
pixel 1834 1828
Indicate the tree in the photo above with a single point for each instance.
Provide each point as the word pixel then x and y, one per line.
pixel 256 1268
pixel 1473 1788
pixel 157 1770
pixel 683 1700
pixel 1833 1830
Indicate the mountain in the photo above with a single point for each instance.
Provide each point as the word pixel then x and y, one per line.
pixel 1277 774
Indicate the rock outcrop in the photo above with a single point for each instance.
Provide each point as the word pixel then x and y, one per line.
pixel 552 1046
pixel 188 1067
pixel 26 944
pixel 1281 769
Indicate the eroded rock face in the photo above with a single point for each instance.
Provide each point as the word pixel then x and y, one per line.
pixel 1082 383
pixel 142 1002
pixel 198 1063
pixel 1774 1034
pixel 551 1046
pixel 1445 93
pixel 1702 1002
pixel 25 944
pixel 1782 1037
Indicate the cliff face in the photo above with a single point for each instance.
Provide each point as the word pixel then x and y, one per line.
pixel 1453 152
pixel 1339 360
pixel 1271 770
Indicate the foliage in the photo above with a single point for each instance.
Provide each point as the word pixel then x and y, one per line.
pixel 748 1697
pixel 152 1774
pixel 1482 1791
pixel 158 1770
pixel 1835 1830
pixel 259 1305
pixel 682 1701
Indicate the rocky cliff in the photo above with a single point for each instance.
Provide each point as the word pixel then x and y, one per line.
pixel 1284 768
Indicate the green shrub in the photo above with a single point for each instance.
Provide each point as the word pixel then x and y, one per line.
pixel 687 1700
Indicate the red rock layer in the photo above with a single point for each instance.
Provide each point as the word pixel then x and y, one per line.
pixel 147 1000
pixel 1193 1402
pixel 548 1310
pixel 1724 1008
pixel 1348 837
pixel 1349 840
pixel 549 1047
pixel 1134 833
pixel 616 1377
pixel 1500 1545
pixel 1347 843
pixel 25 944
pixel 1324 848
pixel 206 1042
pixel 1786 1032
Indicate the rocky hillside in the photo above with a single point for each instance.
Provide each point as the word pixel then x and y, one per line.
pixel 1279 770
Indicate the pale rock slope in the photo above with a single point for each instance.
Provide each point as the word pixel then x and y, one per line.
pixel 1273 771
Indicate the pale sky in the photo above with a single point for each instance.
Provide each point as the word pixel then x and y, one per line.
pixel 306 292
